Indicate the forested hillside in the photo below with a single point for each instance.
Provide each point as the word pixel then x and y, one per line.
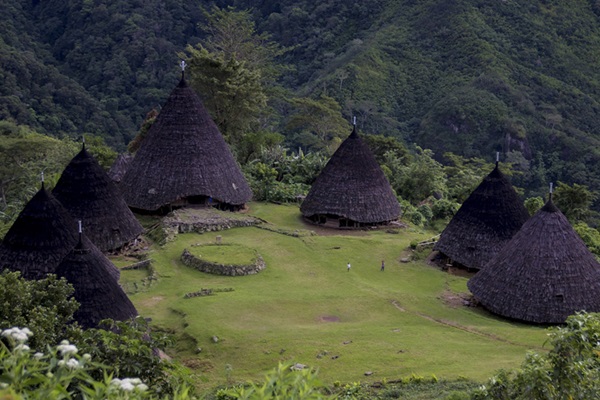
pixel 466 76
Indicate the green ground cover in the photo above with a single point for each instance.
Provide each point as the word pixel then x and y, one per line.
pixel 306 307
pixel 234 254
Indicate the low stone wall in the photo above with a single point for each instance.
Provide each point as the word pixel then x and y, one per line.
pixel 138 265
pixel 222 269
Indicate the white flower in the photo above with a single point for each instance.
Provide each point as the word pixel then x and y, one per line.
pixel 141 387
pixel 66 349
pixel 127 386
pixel 17 334
pixel 73 364
pixel 22 347
pixel 61 363
pixel 87 357
pixel 38 355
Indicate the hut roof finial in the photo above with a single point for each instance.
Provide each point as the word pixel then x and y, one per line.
pixel 497 158
pixel 182 64
pixel 42 178
pixel 550 192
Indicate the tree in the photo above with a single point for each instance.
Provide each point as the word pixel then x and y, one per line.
pixel 570 370
pixel 44 306
pixel 235 72
pixel 318 123
pixel 574 201
pixel 533 204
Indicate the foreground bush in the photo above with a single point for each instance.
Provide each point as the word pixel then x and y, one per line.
pixel 570 370
pixel 61 372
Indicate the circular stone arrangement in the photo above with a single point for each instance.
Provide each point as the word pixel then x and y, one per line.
pixel 216 268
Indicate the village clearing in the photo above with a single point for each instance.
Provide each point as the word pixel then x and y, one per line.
pixel 307 308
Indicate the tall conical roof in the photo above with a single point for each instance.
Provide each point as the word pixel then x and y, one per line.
pixel 484 223
pixel 89 195
pixel 183 155
pixel 98 293
pixel 543 274
pixel 40 237
pixel 352 185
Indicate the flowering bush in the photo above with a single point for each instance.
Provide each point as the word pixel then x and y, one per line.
pixel 61 373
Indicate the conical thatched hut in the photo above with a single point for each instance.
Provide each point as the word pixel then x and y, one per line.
pixel 352 190
pixel 184 160
pixel 87 192
pixel 484 223
pixel 543 274
pixel 98 293
pixel 39 239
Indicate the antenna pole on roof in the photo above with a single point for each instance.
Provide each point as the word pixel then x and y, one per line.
pixel 182 64
pixel 80 229
pixel 42 178
pixel 497 158
pixel 354 121
pixel 83 142
pixel 550 193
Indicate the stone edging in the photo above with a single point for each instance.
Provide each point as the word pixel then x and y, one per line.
pixel 222 269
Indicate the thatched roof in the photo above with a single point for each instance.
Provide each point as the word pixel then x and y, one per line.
pixel 182 156
pixel 543 274
pixel 119 167
pixel 40 237
pixel 352 185
pixel 89 195
pixel 98 293
pixel 484 223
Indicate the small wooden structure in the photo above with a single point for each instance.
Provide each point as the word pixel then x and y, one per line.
pixel 96 289
pixel 41 236
pixel 352 191
pixel 484 223
pixel 184 161
pixel 89 195
pixel 544 273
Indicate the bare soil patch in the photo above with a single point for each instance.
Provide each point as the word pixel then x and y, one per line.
pixel 152 301
pixel 329 318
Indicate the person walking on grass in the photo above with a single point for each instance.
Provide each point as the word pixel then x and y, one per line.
pixel 382 265
pixel 349 266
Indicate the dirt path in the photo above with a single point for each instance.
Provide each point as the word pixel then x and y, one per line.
pixel 463 328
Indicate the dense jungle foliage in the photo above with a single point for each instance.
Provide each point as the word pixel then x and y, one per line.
pixel 450 82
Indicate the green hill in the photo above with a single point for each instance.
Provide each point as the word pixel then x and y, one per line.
pixel 464 76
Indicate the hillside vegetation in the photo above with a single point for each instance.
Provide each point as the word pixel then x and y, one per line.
pixel 467 77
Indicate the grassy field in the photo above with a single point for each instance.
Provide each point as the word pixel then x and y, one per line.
pixel 307 308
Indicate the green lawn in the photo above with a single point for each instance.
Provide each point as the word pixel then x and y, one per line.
pixel 230 253
pixel 306 307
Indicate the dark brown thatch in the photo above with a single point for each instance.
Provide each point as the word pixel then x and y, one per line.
pixel 352 189
pixel 40 237
pixel 119 167
pixel 184 159
pixel 89 195
pixel 98 293
pixel 543 274
pixel 485 222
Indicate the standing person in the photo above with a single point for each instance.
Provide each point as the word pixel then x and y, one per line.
pixel 349 267
pixel 382 265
